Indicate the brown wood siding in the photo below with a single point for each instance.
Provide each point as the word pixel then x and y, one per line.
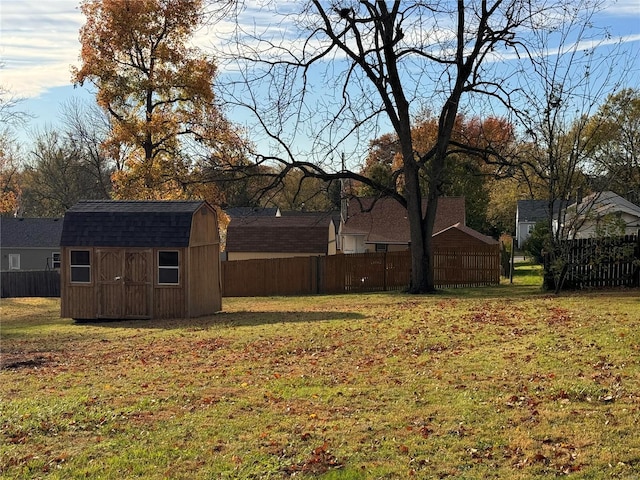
pixel 109 290
pixel 138 283
pixel 205 296
pixel 76 300
pixel 169 302
pixel 204 227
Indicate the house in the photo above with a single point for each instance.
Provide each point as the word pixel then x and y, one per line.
pixel 30 243
pixel 381 225
pixel 531 212
pixel 140 259
pixel 528 213
pixel 287 235
pixel 601 213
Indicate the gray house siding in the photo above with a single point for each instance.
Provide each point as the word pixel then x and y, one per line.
pixel 31 240
pixel 30 258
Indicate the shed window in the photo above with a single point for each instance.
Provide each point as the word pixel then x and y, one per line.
pixel 55 260
pixel 381 247
pixel 14 261
pixel 80 266
pixel 168 268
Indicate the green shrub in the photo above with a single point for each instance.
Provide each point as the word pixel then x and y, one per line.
pixel 538 241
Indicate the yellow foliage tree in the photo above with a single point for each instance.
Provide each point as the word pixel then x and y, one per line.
pixel 157 89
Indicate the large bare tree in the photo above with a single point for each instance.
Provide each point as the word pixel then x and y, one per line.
pixel 343 72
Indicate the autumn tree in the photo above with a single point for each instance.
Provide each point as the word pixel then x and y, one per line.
pixel 464 174
pixel 614 143
pixel 157 89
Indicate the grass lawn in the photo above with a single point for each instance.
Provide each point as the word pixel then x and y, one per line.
pixel 503 382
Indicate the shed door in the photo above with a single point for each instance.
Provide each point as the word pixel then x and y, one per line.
pixel 124 283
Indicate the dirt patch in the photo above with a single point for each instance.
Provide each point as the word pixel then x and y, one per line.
pixel 17 361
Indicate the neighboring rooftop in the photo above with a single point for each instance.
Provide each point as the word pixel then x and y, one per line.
pixel 241 212
pixel 538 210
pixel 306 233
pixel 384 220
pixel 30 232
pixel 140 223
pixel 605 202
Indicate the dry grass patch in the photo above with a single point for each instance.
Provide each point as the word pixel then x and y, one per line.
pixel 459 385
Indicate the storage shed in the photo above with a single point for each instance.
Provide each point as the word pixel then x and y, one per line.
pixel 140 260
pixel 461 236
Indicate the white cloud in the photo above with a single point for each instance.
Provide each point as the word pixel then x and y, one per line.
pixel 39 38
pixel 39 41
pixel 38 44
pixel 623 8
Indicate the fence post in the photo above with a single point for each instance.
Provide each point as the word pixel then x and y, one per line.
pixel 511 265
pixel 636 258
pixel 384 274
pixel 319 276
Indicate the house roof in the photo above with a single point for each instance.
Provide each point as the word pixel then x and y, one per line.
pixel 384 220
pixel 238 212
pixel 533 210
pixel 602 203
pixel 113 223
pixel 471 232
pixel 30 232
pixel 538 210
pixel 308 233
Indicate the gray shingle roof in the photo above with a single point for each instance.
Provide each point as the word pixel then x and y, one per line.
pixel 538 210
pixel 111 223
pixel 30 232
pixel 239 212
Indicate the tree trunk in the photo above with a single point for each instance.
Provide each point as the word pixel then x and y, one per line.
pixel 421 255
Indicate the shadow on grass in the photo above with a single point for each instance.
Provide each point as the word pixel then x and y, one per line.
pixel 227 319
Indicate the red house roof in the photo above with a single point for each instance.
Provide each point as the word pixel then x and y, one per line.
pixel 384 220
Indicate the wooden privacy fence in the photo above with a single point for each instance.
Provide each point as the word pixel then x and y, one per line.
pixel 30 284
pixel 367 272
pixel 602 262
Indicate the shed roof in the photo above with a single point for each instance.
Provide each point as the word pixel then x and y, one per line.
pixel 30 232
pixel 291 233
pixel 384 220
pixel 470 232
pixel 119 223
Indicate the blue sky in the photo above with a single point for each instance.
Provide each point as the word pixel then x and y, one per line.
pixel 39 44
